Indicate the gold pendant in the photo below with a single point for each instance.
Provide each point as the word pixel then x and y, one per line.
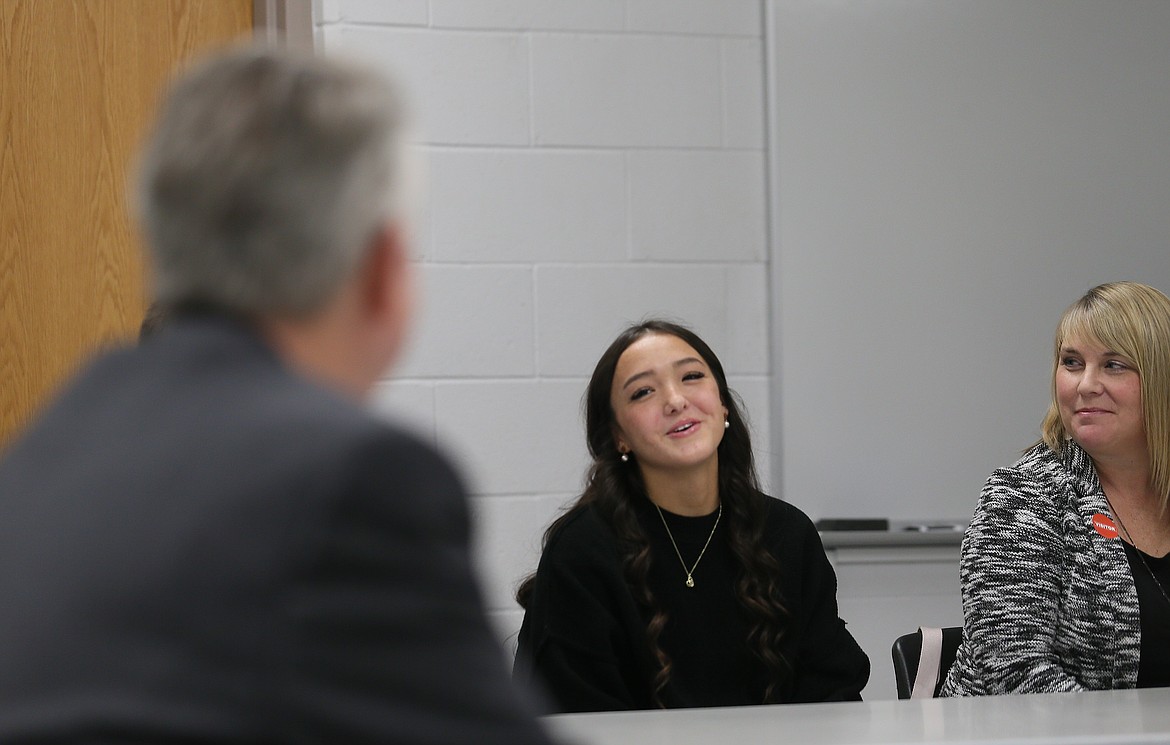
pixel 690 581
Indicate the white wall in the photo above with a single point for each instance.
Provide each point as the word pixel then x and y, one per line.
pixel 879 268
pixel 592 162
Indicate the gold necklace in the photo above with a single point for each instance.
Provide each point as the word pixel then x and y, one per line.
pixel 1141 556
pixel 690 572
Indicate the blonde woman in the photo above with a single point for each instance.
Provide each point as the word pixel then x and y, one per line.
pixel 1065 569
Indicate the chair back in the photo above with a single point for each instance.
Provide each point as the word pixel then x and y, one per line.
pixel 930 662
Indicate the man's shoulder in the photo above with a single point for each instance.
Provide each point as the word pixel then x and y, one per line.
pixel 208 402
pixel 236 376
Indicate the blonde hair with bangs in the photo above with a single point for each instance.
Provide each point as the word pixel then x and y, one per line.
pixel 1133 320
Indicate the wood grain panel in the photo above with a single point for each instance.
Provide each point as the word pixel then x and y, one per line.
pixel 78 85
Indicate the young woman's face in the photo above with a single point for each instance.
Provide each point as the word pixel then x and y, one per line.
pixel 1099 395
pixel 666 405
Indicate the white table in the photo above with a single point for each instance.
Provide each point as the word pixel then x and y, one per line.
pixel 1099 718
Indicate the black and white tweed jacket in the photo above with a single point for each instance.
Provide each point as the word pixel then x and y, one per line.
pixel 1049 604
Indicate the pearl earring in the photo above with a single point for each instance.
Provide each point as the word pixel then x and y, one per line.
pixel 625 457
pixel 726 424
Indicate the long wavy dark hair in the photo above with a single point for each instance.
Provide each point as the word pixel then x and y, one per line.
pixel 612 488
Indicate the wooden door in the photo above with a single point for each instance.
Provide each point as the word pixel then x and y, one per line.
pixel 78 86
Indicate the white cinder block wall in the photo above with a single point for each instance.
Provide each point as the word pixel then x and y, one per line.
pixel 591 162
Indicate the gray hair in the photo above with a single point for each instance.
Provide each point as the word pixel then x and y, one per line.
pixel 265 180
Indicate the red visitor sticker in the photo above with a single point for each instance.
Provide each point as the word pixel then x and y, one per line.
pixel 1104 525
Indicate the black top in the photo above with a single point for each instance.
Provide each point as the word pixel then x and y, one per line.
pixel 706 628
pixel 1154 668
pixel 584 634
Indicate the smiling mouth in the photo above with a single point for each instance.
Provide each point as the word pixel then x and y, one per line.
pixel 685 427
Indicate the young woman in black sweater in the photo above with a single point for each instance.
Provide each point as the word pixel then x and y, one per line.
pixel 673 581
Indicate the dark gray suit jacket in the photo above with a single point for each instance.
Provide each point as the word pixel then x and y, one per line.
pixel 197 545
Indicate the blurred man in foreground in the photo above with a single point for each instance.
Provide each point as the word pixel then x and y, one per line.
pixel 206 538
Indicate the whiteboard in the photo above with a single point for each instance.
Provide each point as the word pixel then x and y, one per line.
pixel 946 176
